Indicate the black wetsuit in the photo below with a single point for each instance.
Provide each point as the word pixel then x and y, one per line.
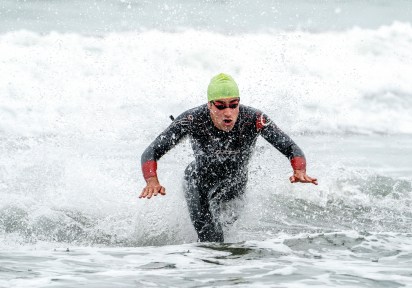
pixel 219 171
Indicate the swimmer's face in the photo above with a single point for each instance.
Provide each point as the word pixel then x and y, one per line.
pixel 224 113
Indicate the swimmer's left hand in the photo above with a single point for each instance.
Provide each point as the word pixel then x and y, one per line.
pixel 300 176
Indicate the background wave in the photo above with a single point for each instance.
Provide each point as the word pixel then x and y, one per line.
pixel 355 81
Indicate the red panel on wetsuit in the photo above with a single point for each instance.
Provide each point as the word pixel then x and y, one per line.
pixel 149 169
pixel 260 122
pixel 298 163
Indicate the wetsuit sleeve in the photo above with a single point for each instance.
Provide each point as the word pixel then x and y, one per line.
pixel 163 143
pixel 281 141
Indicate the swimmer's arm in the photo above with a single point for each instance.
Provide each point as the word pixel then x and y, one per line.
pixel 281 141
pixel 160 146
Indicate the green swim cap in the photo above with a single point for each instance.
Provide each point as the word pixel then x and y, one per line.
pixel 222 86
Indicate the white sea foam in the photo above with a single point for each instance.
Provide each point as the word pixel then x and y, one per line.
pixel 346 259
pixel 126 84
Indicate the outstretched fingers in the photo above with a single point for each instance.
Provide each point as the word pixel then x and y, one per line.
pixel 303 179
pixel 148 192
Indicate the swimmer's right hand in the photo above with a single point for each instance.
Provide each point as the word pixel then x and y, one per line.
pixel 153 188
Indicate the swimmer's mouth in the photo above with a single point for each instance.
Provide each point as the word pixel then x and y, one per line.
pixel 227 121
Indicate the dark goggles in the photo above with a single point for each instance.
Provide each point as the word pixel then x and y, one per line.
pixel 221 106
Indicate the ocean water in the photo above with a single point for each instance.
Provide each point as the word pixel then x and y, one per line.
pixel 85 86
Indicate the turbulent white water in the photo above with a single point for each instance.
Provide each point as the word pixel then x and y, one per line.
pixel 322 260
pixel 354 81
